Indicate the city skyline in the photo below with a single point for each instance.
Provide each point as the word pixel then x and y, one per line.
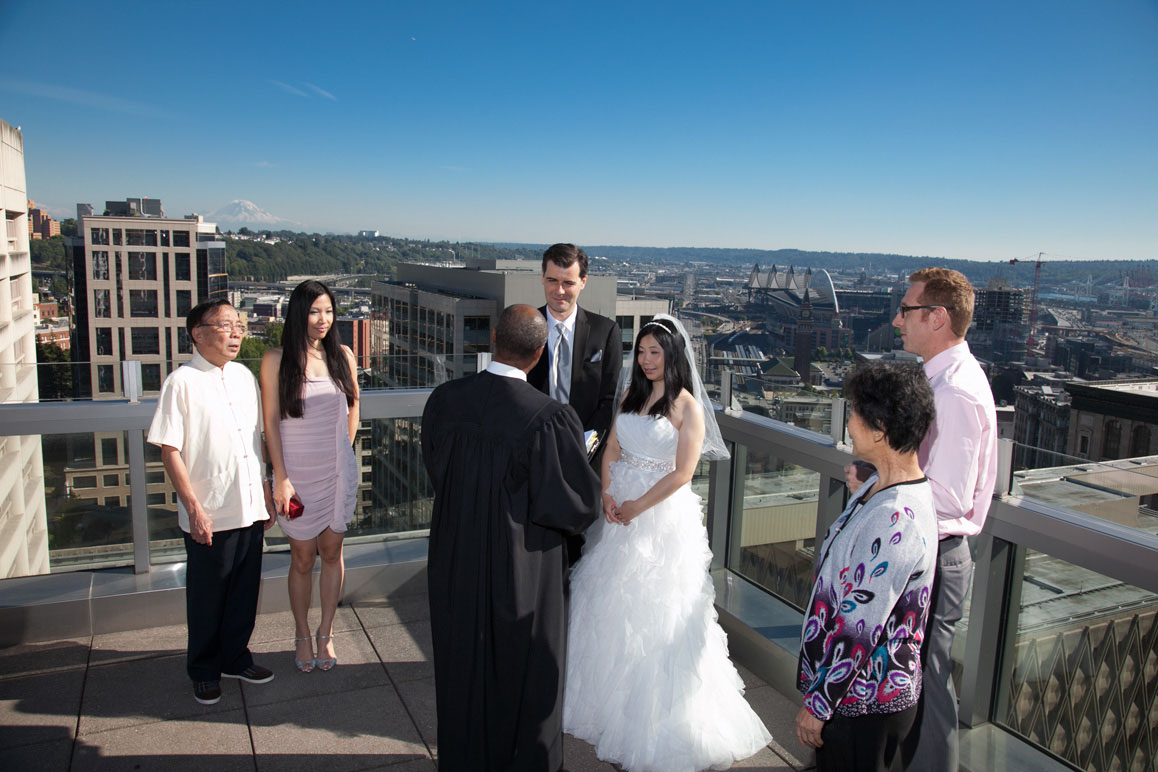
pixel 984 132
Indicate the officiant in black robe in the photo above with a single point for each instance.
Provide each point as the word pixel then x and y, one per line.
pixel 511 481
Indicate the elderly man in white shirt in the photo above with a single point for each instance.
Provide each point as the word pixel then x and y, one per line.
pixel 208 426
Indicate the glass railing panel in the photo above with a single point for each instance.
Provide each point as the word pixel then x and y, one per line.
pixel 86 500
pixel 775 519
pixel 807 407
pixel 1124 491
pixel 1081 677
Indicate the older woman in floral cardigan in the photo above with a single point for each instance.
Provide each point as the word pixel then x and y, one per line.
pixel 860 649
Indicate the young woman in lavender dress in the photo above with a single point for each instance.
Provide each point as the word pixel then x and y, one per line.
pixel 309 395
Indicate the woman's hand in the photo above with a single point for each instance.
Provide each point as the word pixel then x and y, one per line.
pixel 808 729
pixel 628 511
pixel 609 508
pixel 283 491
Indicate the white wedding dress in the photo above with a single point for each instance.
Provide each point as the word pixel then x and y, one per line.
pixel 649 682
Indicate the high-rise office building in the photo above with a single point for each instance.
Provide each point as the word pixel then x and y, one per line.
pixel 136 274
pixel 23 520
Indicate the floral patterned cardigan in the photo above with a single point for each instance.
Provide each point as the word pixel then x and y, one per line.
pixel 860 648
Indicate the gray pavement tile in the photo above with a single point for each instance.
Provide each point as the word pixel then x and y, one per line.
pixel 352 730
pixel 579 756
pixel 421 765
pixel 358 667
pixel 51 656
pixel 765 759
pixel 49 757
pixel 751 680
pixel 405 650
pixel 40 708
pixel 418 696
pixel 139 644
pixel 279 626
pixel 215 742
pixel 778 713
pixel 145 691
pixel 399 611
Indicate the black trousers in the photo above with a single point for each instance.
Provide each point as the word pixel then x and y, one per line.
pixel 221 588
pixel 863 744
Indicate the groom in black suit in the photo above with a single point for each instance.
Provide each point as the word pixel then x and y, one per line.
pixel 511 481
pixel 581 364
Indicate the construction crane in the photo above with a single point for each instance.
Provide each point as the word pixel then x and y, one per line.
pixel 1031 340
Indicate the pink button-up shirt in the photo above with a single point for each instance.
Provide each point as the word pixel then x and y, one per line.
pixel 959 454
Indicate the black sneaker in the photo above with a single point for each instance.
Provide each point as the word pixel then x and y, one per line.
pixel 207 692
pixel 254 674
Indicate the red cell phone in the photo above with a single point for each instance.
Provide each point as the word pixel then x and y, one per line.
pixel 295 508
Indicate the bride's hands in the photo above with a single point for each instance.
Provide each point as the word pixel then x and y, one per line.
pixel 627 511
pixel 609 508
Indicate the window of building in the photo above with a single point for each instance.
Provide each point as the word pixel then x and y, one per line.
pixel 100 236
pixel 143 303
pixel 151 377
pixel 101 305
pixel 146 340
pixel 84 481
pixel 1140 441
pixel 106 381
pixel 184 302
pixel 143 266
pixel 156 499
pixel 104 341
pixel 117 239
pixel 165 238
pixel 367 477
pixel 111 480
pixel 180 238
pixel 154 478
pixel 109 455
pixel 184 342
pixel 138 237
pixel 1112 439
pixel 100 264
pixel 181 265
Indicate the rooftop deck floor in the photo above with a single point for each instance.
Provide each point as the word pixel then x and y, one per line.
pixel 123 701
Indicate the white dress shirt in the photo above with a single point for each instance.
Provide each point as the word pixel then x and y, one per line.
pixel 506 371
pixel 959 454
pixel 212 415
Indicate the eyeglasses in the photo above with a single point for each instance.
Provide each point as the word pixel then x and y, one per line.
pixel 228 328
pixel 903 309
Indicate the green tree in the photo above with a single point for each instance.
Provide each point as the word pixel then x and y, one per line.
pixel 53 371
pixel 273 333
pixel 68 226
pixel 251 352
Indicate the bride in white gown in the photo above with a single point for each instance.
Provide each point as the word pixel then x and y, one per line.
pixel 649 682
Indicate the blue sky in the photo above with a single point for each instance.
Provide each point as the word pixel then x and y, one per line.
pixel 981 130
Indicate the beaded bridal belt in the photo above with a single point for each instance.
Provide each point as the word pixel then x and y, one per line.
pixel 645 463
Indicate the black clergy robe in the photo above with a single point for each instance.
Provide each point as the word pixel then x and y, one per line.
pixel 511 481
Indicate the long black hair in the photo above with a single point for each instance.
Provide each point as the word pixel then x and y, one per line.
pixel 294 342
pixel 677 376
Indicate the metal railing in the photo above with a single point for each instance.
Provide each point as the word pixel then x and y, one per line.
pixel 1017 527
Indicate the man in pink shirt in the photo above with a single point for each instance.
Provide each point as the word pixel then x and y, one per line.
pixel 959 456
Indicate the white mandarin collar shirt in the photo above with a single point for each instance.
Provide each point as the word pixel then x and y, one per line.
pixel 959 454
pixel 212 415
pixel 506 371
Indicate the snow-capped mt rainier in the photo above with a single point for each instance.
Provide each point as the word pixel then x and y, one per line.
pixel 240 213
